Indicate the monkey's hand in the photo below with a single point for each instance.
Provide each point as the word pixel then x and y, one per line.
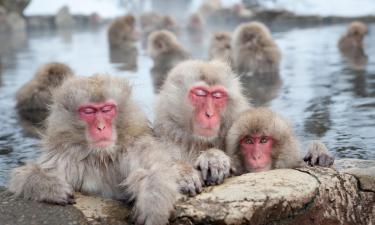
pixel 318 155
pixel 33 182
pixel 189 179
pixel 214 166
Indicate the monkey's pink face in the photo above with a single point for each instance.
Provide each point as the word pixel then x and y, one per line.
pixel 257 152
pixel 208 103
pixel 99 118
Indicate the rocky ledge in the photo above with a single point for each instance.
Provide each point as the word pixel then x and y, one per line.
pixel 289 196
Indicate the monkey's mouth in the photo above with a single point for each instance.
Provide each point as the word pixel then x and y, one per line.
pixel 104 143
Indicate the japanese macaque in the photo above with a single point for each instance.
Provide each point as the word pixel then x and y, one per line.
pixel 122 32
pixel 35 96
pixel 98 141
pixel 153 21
pixel 220 47
pixel 125 57
pixel 196 106
pixel 261 140
pixel 166 52
pixel 260 89
pixel 254 51
pixel 195 23
pixel 351 45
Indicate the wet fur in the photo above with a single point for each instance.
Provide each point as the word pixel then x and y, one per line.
pixel 135 168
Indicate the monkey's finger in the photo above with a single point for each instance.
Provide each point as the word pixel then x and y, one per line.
pixel 192 191
pixel 220 177
pixel 307 157
pixel 214 175
pixel 198 184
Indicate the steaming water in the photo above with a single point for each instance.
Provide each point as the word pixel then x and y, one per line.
pixel 318 92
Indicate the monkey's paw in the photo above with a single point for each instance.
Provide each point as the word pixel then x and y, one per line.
pixel 57 192
pixel 318 155
pixel 189 179
pixel 214 166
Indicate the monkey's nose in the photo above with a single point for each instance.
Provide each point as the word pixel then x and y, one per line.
pixel 209 115
pixel 100 127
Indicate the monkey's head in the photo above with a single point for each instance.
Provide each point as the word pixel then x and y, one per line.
pixel 200 98
pixel 95 112
pixel 257 136
pixel 252 35
pixel 357 29
pixel 160 42
pixel 221 40
pixel 169 23
pixel 53 74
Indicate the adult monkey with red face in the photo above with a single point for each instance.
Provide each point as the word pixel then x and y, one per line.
pixel 261 140
pixel 197 104
pixel 98 141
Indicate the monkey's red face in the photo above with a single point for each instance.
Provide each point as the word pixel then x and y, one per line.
pixel 99 118
pixel 257 152
pixel 208 103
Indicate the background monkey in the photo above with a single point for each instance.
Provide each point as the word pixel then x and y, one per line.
pixel 166 52
pixel 220 47
pixel 261 140
pixel 34 97
pixel 98 141
pixel 196 106
pixel 122 32
pixel 254 50
pixel 351 45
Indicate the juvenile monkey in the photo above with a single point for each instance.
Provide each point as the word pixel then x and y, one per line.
pixel 195 108
pixel 166 52
pixel 98 141
pixel 351 45
pixel 254 51
pixel 122 32
pixel 261 140
pixel 220 47
pixel 34 97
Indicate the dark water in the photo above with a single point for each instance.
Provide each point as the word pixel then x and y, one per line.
pixel 317 90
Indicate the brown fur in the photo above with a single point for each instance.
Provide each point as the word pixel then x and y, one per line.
pixel 132 169
pixel 285 151
pixel 174 116
pixel 153 21
pixel 35 96
pixel 220 47
pixel 166 52
pixel 254 50
pixel 351 45
pixel 122 31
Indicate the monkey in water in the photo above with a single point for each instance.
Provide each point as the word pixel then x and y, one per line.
pixel 35 96
pixel 254 51
pixel 261 140
pixel 166 52
pixel 220 47
pixel 195 108
pixel 122 32
pixel 351 45
pixel 98 141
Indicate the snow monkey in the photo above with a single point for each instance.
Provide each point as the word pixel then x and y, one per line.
pixel 34 97
pixel 122 32
pixel 261 140
pixel 220 46
pixel 197 104
pixel 98 141
pixel 254 50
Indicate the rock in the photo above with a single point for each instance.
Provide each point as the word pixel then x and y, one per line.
pixel 363 170
pixel 22 212
pixel 304 196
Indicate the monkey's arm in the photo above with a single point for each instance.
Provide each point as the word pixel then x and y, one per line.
pixel 214 166
pixel 34 182
pixel 150 182
pixel 318 155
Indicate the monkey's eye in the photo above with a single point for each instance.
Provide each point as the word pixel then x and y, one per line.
pixel 218 94
pixel 249 141
pixel 263 140
pixel 200 93
pixel 107 108
pixel 88 110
